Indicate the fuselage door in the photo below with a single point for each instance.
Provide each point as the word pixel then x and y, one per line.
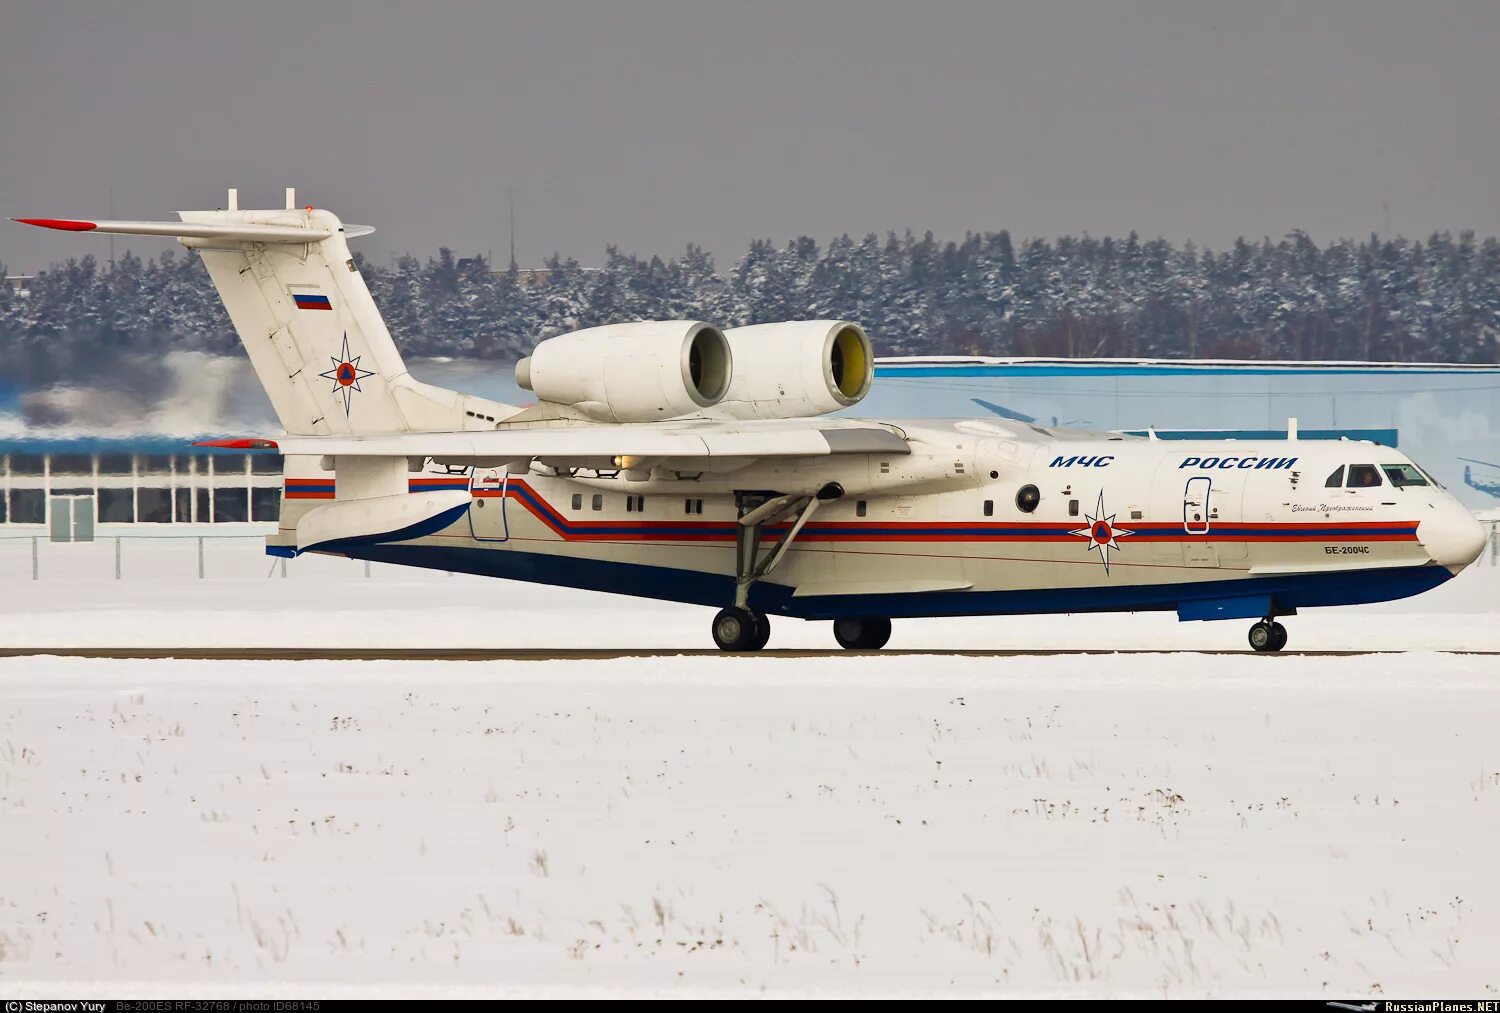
pixel 488 487
pixel 1195 506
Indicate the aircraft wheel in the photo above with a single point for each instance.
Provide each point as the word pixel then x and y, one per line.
pixel 862 634
pixel 762 632
pixel 1279 632
pixel 1267 636
pixel 736 629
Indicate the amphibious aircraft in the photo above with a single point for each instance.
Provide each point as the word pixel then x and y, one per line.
pixel 672 459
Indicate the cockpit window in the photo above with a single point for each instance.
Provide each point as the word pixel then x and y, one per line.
pixel 1363 476
pixel 1403 475
pixel 1336 480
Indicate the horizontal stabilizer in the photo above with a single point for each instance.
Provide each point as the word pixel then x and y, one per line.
pixel 234 232
pixel 379 519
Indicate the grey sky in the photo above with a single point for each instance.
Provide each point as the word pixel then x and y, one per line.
pixel 652 125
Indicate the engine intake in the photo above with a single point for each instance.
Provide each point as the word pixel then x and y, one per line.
pixel 804 367
pixel 636 372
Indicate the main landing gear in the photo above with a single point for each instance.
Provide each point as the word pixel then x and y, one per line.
pixel 737 629
pixel 861 634
pixel 741 627
pixel 1268 635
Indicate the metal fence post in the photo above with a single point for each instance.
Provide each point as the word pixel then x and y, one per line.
pixel 117 557
pixel 367 568
pixel 283 567
pixel 35 560
pixel 200 557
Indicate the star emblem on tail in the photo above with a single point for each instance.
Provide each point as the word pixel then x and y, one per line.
pixel 1101 532
pixel 346 374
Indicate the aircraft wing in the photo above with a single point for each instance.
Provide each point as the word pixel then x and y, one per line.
pixel 776 438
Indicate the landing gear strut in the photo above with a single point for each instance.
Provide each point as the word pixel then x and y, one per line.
pixel 1267 635
pixel 741 627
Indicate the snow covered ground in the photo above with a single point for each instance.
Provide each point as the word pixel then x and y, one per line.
pixel 1162 824
pixel 1159 824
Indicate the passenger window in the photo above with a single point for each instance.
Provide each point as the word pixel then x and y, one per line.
pixel 1336 480
pixel 1363 476
pixel 859 508
pixel 989 508
pixel 598 503
pixel 1403 475
pixel 1072 508
pixel 578 501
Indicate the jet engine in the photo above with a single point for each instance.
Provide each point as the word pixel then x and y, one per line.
pixel 635 372
pixel 803 367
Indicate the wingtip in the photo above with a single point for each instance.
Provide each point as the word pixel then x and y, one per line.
pixel 61 224
pixel 242 443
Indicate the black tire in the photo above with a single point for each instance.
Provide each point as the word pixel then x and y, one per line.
pixel 1278 635
pixel 862 634
pixel 736 629
pixel 762 632
pixel 1263 636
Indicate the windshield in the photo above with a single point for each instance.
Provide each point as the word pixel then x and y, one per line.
pixel 1402 475
pixel 1363 476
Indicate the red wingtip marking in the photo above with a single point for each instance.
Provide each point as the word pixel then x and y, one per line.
pixel 64 224
pixel 240 444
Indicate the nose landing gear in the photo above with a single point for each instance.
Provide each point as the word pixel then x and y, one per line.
pixel 1267 635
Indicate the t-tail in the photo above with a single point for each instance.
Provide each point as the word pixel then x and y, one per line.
pixel 312 331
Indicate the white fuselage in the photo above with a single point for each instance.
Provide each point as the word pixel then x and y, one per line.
pixel 1220 529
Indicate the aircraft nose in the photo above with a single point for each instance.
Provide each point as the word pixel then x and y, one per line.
pixel 1454 537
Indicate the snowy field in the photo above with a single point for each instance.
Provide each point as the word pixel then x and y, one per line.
pixel 1164 824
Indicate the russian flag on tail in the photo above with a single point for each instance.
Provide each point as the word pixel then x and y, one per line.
pixel 311 299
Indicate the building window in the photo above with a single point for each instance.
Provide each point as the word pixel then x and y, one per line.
pixel 153 506
pixel 182 503
pixel 200 506
pixel 28 506
pixel 265 504
pixel 578 501
pixel 859 508
pixel 598 503
pixel 117 506
pixel 3 509
pixel 265 464
pixel 72 464
pixel 114 464
pixel 27 464
pixel 989 508
pixel 231 505
pixel 230 464
pixel 153 464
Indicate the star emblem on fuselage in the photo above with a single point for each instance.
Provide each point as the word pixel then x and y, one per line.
pixel 346 374
pixel 1101 532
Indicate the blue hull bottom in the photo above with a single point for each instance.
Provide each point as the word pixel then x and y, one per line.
pixel 1208 599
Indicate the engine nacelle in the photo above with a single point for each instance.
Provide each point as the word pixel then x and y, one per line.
pixel 636 372
pixel 803 367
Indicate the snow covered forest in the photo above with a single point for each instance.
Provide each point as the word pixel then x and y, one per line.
pixel 1382 299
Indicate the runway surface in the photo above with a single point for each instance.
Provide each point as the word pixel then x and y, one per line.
pixel 598 654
